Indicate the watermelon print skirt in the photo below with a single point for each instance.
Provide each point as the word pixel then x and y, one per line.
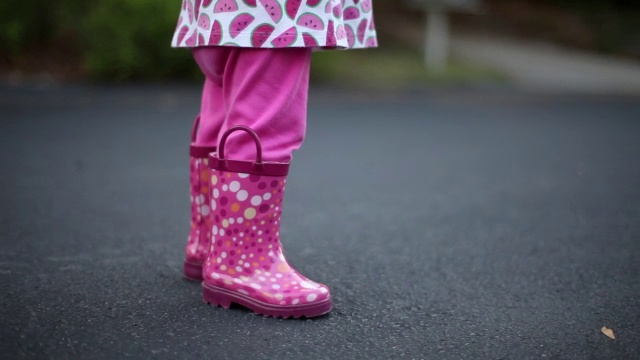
pixel 338 24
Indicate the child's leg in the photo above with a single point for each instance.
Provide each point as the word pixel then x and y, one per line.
pixel 210 122
pixel 266 90
pixel 212 108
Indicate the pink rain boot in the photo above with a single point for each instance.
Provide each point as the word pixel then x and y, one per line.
pixel 198 244
pixel 246 265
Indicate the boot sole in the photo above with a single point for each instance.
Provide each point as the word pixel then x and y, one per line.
pixel 193 270
pixel 222 297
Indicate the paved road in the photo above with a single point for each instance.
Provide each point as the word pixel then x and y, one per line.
pixel 548 67
pixel 450 224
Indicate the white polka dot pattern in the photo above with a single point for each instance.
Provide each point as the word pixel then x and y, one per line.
pixel 246 255
pixel 198 242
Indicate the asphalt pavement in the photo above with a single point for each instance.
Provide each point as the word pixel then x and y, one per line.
pixel 455 223
pixel 544 66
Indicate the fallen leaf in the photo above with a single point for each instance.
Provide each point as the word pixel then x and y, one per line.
pixel 605 330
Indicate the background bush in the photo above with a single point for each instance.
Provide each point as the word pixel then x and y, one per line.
pixel 130 39
pixel 104 39
pixel 22 23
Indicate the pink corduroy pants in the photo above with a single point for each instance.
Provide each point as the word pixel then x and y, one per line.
pixel 264 89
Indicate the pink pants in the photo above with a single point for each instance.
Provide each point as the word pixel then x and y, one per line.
pixel 264 89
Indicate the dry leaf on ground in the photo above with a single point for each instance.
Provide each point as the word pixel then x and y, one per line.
pixel 605 330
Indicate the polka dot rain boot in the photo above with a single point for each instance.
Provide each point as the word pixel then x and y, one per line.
pixel 198 243
pixel 246 265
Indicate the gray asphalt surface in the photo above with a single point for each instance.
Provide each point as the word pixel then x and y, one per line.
pixel 450 224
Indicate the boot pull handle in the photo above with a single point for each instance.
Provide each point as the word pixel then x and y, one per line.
pixel 246 129
pixel 194 129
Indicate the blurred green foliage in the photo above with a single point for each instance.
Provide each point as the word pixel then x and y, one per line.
pixel 130 39
pixel 24 22
pixel 111 39
pixel 401 67
pixel 615 24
